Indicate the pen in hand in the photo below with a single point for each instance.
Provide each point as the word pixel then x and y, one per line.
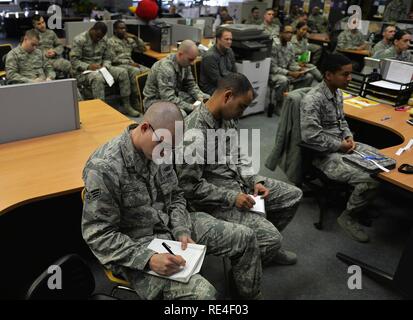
pixel 168 248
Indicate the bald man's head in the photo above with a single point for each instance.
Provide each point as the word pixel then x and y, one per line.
pixel 187 53
pixel 156 133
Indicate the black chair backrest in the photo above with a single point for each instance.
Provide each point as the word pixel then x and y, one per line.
pixel 4 50
pixel 77 281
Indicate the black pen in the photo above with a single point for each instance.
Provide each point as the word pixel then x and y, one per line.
pixel 168 248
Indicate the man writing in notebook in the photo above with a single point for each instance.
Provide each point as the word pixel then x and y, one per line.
pixel 224 188
pixel 130 200
pixel 324 127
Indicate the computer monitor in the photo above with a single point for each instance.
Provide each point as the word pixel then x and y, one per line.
pixel 37 109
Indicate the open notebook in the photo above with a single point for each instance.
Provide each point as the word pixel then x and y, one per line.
pixel 194 256
pixel 259 206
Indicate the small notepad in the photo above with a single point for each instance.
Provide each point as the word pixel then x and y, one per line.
pixel 259 206
pixel 194 256
pixel 106 75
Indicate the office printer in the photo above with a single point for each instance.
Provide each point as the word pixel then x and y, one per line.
pixel 250 42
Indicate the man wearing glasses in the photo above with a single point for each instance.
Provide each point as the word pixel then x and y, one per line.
pixel 130 200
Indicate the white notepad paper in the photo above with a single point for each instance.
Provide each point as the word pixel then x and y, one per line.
pixel 106 75
pixel 194 256
pixel 259 206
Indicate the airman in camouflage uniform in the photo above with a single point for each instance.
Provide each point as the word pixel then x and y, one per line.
pixel 121 46
pixel 284 67
pixel 351 40
pixel 380 47
pixel 254 17
pixel 324 127
pixel 171 79
pixel 300 45
pixel 222 189
pixel 396 10
pixel 51 46
pixel 90 52
pixel 268 24
pixel 317 21
pixel 130 200
pixel 26 63
pixel 399 50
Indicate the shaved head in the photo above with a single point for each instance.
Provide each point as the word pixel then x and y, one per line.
pixel 187 53
pixel 163 114
pixel 187 46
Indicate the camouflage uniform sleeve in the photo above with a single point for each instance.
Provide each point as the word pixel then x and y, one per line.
pixel 76 56
pixel 198 190
pixel 180 217
pixel 12 69
pixel 275 69
pixel 245 169
pixel 57 45
pixel 192 88
pixel 107 56
pixel 101 221
pixel 115 54
pixel 312 132
pixel 48 69
pixel 341 41
pixel 140 45
pixel 166 84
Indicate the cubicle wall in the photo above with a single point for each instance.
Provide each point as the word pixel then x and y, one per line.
pixel 38 109
pixel 72 29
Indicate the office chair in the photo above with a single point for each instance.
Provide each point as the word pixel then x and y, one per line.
pixel 119 283
pixel 140 82
pixel 4 50
pixel 196 70
pixel 78 282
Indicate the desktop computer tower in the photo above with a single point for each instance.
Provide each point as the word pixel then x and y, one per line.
pixel 159 36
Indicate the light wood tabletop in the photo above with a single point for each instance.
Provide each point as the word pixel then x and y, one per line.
pixel 387 117
pixel 52 165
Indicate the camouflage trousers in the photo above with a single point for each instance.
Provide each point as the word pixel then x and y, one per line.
pixel 61 65
pixel 281 206
pixel 224 239
pixel 336 169
pixel 132 73
pixel 96 82
pixel 182 95
pixel 280 84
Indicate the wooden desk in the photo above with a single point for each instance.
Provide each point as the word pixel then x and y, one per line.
pixel 364 53
pixel 397 124
pixel 319 37
pixel 158 56
pixel 48 166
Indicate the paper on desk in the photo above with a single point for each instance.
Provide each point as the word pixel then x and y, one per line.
pixel 259 206
pixel 386 85
pixel 106 75
pixel 406 148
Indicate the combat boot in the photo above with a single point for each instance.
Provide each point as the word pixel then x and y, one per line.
pixel 128 109
pixel 352 227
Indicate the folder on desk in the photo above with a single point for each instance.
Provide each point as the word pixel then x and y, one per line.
pixel 361 103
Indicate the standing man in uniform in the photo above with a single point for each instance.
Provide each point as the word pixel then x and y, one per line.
pixel 90 52
pixel 51 47
pixel 171 79
pixel 285 69
pixel 217 62
pixel 323 126
pixel 387 42
pixel 223 187
pixel 26 63
pixel 272 29
pixel 130 200
pixel 121 46
pixel 400 48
